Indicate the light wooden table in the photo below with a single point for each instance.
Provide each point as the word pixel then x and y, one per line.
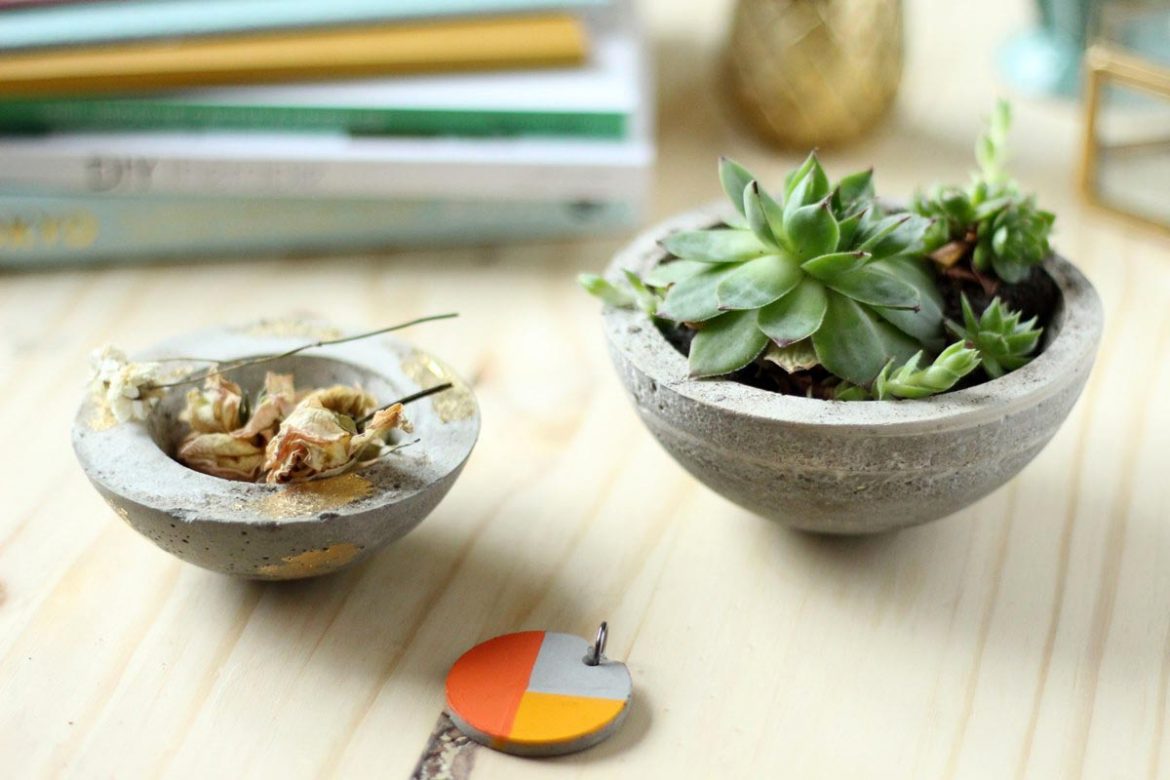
pixel 1026 636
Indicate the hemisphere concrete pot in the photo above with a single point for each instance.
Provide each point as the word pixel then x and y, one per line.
pixel 275 532
pixel 850 467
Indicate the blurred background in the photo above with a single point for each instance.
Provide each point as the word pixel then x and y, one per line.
pixel 145 130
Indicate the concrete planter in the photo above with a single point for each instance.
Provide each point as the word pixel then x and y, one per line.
pixel 271 532
pixel 850 467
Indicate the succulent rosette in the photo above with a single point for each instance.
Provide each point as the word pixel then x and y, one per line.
pixel 1001 230
pixel 827 277
pixel 828 264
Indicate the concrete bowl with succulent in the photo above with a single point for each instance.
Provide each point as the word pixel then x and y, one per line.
pixel 842 366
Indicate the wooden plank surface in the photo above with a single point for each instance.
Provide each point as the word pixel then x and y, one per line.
pixel 1027 636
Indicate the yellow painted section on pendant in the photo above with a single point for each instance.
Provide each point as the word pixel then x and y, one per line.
pixel 554 717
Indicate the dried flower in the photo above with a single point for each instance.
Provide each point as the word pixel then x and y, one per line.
pixel 353 402
pixel 129 390
pixel 276 402
pixel 222 455
pixel 317 442
pixel 289 437
pixel 219 407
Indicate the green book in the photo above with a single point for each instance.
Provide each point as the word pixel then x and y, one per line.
pixel 37 116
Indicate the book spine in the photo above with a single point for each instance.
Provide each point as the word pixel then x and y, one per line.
pixel 528 41
pixel 39 116
pixel 115 171
pixel 37 231
pixel 68 23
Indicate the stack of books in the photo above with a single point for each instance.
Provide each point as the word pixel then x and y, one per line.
pixel 137 129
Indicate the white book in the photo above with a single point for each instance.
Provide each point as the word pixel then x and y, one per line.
pixel 326 165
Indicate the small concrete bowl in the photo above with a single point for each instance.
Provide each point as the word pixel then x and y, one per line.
pixel 850 467
pixel 272 532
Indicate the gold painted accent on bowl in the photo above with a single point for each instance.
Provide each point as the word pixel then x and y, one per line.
pixel 308 498
pixel 119 510
pixel 455 404
pixel 311 562
pixel 289 327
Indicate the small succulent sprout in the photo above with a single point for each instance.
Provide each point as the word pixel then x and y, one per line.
pixel 1014 239
pixel 1004 343
pixel 991 147
pixel 910 381
pixel 639 294
pixel 646 299
pixel 600 287
pixel 818 262
pixel 1001 230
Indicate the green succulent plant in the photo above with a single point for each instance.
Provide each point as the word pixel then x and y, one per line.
pixel 827 286
pixel 1002 230
pixel 638 295
pixel 816 262
pixel 1003 342
pixel 910 381
pixel 601 288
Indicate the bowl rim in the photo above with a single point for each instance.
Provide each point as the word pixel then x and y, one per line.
pixel 1067 357
pixel 180 490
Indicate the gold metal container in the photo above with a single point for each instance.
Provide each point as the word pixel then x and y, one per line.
pixel 811 73
pixel 1125 162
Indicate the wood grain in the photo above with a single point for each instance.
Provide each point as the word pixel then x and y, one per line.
pixel 1028 636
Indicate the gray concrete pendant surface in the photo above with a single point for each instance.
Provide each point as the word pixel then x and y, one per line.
pixel 282 532
pixel 850 467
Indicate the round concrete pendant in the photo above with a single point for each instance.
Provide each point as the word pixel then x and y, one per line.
pixel 537 693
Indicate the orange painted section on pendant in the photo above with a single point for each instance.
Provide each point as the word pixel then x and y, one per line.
pixel 487 684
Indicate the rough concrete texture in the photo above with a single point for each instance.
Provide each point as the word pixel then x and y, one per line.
pixel 283 532
pixel 850 467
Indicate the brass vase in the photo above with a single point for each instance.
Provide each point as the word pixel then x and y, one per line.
pixel 810 73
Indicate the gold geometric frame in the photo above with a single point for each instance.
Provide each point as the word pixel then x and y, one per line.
pixel 1105 64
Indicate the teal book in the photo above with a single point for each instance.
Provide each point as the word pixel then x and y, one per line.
pixel 127 20
pixel 37 231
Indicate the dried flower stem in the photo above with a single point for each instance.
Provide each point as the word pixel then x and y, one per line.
pixel 405 400
pixel 324 343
